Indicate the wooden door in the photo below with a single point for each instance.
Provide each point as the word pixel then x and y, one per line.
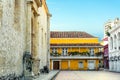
pixel 56 65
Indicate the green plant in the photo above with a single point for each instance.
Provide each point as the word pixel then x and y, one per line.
pixel 107 33
pixel 55 54
pixel 74 53
pixel 98 53
pixel 85 53
pixel 51 54
pixel 78 53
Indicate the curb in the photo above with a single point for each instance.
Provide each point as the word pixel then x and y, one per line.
pixel 53 78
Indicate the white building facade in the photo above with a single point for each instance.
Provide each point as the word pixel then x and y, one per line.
pixel 114 46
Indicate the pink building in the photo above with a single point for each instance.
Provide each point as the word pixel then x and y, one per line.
pixel 106 55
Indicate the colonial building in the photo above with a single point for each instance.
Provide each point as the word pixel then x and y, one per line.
pixel 74 51
pixel 22 22
pixel 114 45
pixel 106 53
pixel 105 44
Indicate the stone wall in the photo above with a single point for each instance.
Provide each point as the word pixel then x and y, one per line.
pixel 12 35
pixel 43 41
pixel 21 31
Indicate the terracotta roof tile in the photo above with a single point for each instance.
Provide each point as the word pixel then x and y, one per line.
pixel 105 39
pixel 70 34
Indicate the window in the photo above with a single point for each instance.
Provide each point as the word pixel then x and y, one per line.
pixel 91 51
pixel 54 50
pixel 64 51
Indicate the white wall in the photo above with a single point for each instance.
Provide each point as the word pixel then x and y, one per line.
pixel 115 51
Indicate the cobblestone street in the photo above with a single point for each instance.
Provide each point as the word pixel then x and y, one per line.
pixel 87 75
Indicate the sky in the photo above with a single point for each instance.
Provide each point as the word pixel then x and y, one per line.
pixel 82 15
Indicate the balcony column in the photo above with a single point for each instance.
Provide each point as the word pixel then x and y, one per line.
pixel 79 49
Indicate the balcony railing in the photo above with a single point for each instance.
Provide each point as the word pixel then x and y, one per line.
pixel 74 54
pixel 76 57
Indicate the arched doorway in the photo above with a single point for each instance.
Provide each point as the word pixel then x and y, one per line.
pixel 111 43
pixel 115 42
pixel 118 40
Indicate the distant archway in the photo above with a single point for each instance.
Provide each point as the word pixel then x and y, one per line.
pixel 118 40
pixel 115 42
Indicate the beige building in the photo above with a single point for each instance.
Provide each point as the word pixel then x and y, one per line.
pixel 24 34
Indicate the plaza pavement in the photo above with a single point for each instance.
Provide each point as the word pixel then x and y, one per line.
pixel 87 75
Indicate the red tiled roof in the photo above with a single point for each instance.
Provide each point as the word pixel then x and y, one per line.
pixel 85 44
pixel 70 34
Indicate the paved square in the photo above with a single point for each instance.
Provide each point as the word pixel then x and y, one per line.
pixel 87 75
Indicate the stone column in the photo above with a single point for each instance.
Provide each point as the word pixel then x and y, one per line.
pixel 48 40
pixel 109 64
pixel 28 35
pixel 28 30
pixel 114 65
pixel 35 44
pixel 118 41
pixel 119 64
